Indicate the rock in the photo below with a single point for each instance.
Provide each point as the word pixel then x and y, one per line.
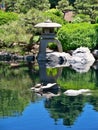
pixel 29 58
pixel 95 65
pixel 57 56
pixel 53 64
pixel 95 53
pixel 48 86
pixel 49 95
pixel 81 59
pixel 81 68
pixel 39 87
pixel 57 59
pixel 14 64
pixel 84 54
pixel 76 92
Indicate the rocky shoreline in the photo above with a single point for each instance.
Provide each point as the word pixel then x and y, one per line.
pixel 80 59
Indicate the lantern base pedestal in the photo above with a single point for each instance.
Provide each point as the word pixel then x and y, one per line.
pixel 41 57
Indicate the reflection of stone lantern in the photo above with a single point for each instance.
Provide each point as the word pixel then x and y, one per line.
pixel 47 36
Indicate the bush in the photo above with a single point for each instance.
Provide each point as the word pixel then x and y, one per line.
pixel 81 18
pixel 54 18
pixel 6 17
pixel 57 12
pixel 14 33
pixel 73 36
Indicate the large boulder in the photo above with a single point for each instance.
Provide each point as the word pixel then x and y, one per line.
pixel 72 92
pixel 95 53
pixel 82 55
pixel 82 59
pixel 57 59
pixel 57 56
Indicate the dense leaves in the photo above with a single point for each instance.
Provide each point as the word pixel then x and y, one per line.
pixel 76 35
pixel 6 17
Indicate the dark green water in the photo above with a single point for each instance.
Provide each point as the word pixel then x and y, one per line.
pixel 23 109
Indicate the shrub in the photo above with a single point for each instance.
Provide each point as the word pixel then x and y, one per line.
pixel 54 18
pixel 73 36
pixel 57 12
pixel 14 33
pixel 81 18
pixel 6 17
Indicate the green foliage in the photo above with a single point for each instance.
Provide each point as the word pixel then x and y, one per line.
pixel 70 79
pixel 54 18
pixel 73 36
pixel 31 18
pixel 57 12
pixel 15 96
pixel 63 4
pixel 6 17
pixel 14 33
pixel 52 46
pixel 96 29
pixel 87 7
pixel 81 18
pixel 52 71
pixel 66 108
pixel 11 104
pixel 34 16
pixel 24 6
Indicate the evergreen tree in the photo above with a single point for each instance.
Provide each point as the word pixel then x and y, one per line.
pixel 24 5
pixel 87 7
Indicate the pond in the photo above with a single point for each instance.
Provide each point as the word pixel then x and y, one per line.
pixel 21 108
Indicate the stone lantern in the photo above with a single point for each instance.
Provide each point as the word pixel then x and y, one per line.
pixel 47 35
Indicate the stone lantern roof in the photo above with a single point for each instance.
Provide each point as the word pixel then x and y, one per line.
pixel 48 24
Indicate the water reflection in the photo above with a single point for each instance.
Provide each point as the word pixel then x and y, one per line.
pixel 69 108
pixel 66 108
pixel 15 95
pixel 44 77
pixel 11 104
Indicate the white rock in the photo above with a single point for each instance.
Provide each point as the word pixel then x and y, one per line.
pixel 84 54
pixel 49 85
pixel 72 92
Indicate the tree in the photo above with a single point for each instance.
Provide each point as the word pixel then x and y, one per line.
pixel 24 5
pixel 87 7
pixel 63 4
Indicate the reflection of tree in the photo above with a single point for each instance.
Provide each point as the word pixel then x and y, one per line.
pixel 11 103
pixel 18 78
pixel 66 108
pixel 96 78
pixel 33 72
pixel 93 99
pixel 14 86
